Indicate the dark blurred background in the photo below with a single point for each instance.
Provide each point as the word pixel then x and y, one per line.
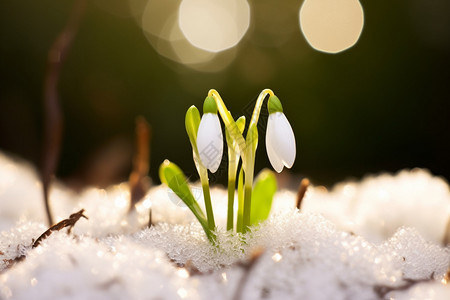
pixel 382 105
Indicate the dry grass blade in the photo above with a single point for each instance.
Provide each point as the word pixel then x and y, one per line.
pixel 53 114
pixel 139 182
pixel 446 239
pixel 11 262
pixel 302 191
pixel 150 218
pixel 70 222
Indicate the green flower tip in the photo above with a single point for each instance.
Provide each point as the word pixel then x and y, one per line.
pixel 209 106
pixel 274 105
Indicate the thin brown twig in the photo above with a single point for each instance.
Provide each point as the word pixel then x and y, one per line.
pixel 9 263
pixel 52 109
pixel 446 239
pixel 138 180
pixel 70 222
pixel 248 267
pixel 383 290
pixel 302 191
pixel 150 221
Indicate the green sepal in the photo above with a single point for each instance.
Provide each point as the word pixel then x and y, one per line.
pixel 262 196
pixel 274 105
pixel 172 176
pixel 209 106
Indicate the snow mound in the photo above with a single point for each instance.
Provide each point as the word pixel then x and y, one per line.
pixel 379 205
pixel 376 239
pixel 65 267
pixel 305 256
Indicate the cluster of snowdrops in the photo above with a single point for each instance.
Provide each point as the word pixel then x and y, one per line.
pixel 206 138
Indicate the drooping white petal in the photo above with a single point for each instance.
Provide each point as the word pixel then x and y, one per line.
pixel 210 141
pixel 276 162
pixel 280 142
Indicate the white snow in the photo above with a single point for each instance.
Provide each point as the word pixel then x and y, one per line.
pixel 361 240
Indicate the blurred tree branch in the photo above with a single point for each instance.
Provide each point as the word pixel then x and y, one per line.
pixel 54 119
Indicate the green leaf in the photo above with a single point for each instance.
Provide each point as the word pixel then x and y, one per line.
pixel 172 176
pixel 262 196
pixel 192 122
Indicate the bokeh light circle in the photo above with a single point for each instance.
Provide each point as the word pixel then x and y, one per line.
pixel 331 26
pixel 214 25
pixel 159 22
pixel 160 26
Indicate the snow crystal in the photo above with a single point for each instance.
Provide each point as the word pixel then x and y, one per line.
pixel 420 259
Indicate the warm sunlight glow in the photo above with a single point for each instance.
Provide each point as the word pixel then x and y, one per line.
pixel 331 26
pixel 161 27
pixel 214 25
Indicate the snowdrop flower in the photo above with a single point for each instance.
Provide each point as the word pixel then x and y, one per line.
pixel 209 136
pixel 280 140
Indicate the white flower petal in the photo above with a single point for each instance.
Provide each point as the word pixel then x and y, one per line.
pixel 280 141
pixel 210 141
pixel 276 162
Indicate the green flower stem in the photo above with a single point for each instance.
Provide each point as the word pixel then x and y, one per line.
pixel 233 161
pixel 246 148
pixel 240 214
pixel 230 212
pixel 258 105
pixel 192 122
pixel 247 207
pixel 250 152
pixel 207 196
pixel 229 122
pixel 249 170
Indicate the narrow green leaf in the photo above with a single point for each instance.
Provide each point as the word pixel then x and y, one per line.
pixel 262 196
pixel 171 175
